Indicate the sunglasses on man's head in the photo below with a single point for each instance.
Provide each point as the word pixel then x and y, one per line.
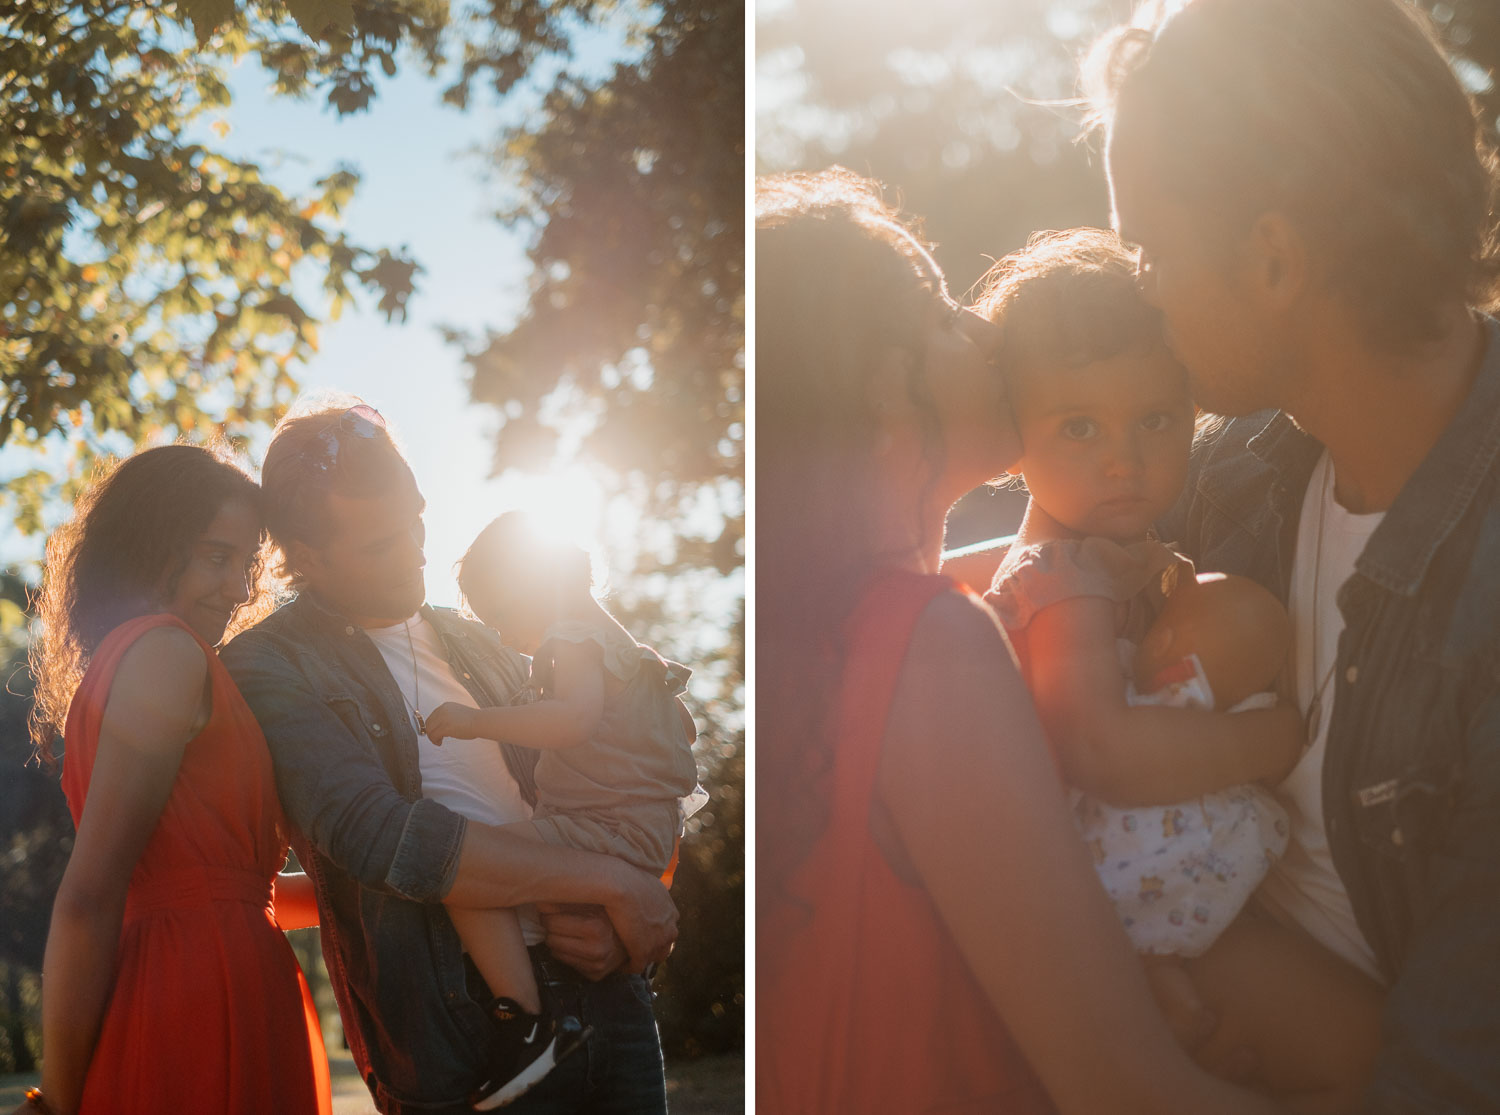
pixel 362 421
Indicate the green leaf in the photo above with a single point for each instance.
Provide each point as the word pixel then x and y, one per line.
pixel 207 16
pixel 12 618
pixel 321 19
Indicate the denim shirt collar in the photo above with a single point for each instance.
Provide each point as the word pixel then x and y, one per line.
pixel 1435 496
pixel 331 615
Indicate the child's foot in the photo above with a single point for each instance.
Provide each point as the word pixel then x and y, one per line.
pixel 531 1046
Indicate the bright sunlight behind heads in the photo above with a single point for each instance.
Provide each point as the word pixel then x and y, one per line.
pixel 565 506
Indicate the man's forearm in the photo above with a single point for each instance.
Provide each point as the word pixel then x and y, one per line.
pixel 497 868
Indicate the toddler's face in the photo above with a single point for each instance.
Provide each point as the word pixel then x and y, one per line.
pixel 520 626
pixel 1105 446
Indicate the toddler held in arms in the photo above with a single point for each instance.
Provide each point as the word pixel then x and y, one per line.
pixel 1151 681
pixel 616 750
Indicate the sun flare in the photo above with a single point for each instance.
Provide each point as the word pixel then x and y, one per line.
pixel 567 505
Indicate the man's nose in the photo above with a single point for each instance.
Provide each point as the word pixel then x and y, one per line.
pixel 416 538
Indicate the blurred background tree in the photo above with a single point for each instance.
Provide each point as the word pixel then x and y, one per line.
pixel 967 112
pixel 634 188
pixel 630 354
pixel 152 286
pixel 146 281
pixel 36 836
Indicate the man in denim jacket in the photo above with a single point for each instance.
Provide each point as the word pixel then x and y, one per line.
pixel 345 510
pixel 1306 182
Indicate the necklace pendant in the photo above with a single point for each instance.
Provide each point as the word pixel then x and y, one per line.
pixel 421 723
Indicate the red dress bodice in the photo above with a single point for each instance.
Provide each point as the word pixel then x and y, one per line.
pixel 209 1010
pixel 865 1004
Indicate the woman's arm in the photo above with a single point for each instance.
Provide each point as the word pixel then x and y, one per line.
pixel 294 900
pixel 973 796
pixel 1142 755
pixel 566 717
pixel 157 703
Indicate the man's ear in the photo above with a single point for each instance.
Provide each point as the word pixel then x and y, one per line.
pixel 1278 259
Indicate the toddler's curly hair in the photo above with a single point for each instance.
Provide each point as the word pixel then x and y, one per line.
pixel 1068 299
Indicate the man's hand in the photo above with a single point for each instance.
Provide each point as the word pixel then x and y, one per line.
pixel 582 938
pixel 451 721
pixel 1191 1022
pixel 636 930
pixel 644 916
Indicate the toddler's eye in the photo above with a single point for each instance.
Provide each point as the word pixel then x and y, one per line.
pixel 1079 429
pixel 1156 422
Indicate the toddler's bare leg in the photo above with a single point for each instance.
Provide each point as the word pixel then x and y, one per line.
pixel 492 938
pixel 1312 1020
pixel 522 828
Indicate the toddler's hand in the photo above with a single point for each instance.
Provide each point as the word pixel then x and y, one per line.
pixel 451 721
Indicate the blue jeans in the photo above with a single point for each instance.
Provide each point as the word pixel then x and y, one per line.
pixel 619 1069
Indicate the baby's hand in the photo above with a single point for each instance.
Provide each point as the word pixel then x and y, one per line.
pixel 451 720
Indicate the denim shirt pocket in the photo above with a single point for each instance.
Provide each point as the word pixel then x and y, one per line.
pixel 1403 816
pixel 370 723
pixel 351 712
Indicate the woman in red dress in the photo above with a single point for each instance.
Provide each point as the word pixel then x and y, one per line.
pixel 931 935
pixel 168 984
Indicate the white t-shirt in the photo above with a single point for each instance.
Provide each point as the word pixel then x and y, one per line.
pixel 1303 887
pixel 469 776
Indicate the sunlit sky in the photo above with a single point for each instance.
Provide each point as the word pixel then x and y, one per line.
pixel 421 188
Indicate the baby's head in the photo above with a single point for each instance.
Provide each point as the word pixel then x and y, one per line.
pixel 1101 404
pixel 520 580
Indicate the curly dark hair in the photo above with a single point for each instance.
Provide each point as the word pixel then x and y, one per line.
pixel 1342 114
pixel 1068 299
pixel 129 539
pixel 842 282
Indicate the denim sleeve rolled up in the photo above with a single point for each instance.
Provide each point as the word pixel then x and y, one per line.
pixel 333 786
pixel 1411 774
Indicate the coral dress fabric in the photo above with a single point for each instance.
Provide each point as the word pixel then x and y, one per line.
pixel 865 1003
pixel 209 1010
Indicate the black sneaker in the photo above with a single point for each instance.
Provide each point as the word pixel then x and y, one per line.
pixel 531 1046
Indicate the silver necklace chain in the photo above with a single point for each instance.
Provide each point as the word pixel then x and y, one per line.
pixel 416 684
pixel 1315 709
